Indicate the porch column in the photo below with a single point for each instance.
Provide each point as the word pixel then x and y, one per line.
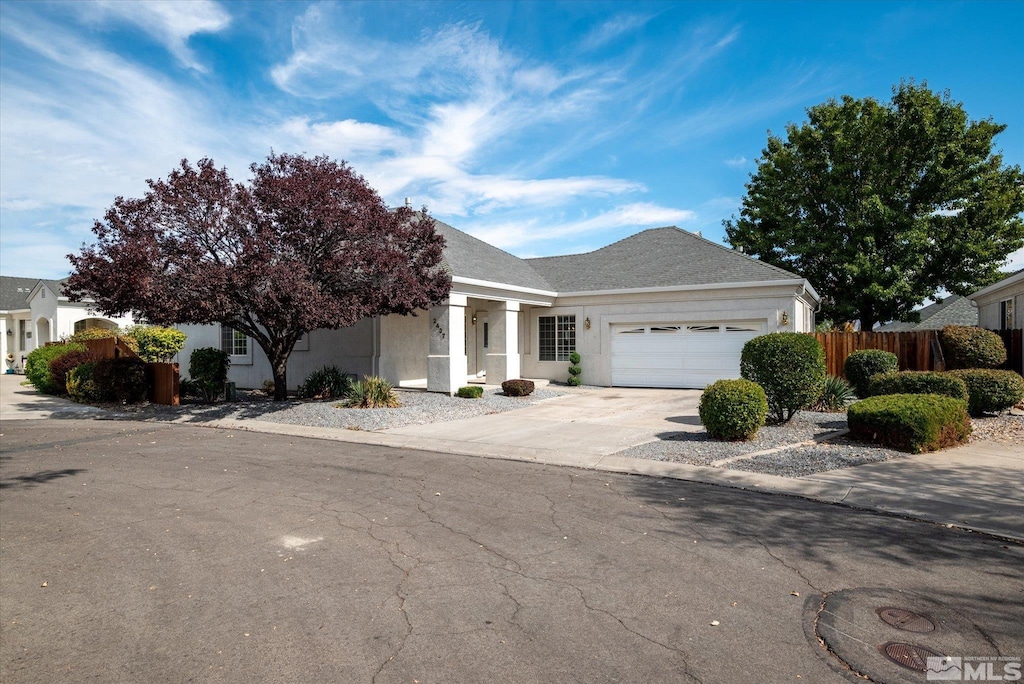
pixel 5 344
pixel 503 347
pixel 446 364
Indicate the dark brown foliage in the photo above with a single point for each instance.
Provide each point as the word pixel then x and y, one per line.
pixel 64 364
pixel 307 245
pixel 517 388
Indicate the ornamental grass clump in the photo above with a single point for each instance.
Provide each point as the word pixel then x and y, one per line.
pixel 918 382
pixel 910 422
pixel 371 392
pixel 862 364
pixel 970 347
pixel 835 395
pixel 329 382
pixel 733 409
pixel 470 392
pixel 790 367
pixel 991 391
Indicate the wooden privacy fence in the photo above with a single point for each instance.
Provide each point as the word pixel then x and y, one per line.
pixel 916 350
pixel 164 378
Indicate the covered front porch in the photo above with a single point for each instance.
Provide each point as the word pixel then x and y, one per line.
pixel 468 339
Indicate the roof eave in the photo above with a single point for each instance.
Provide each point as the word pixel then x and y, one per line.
pixel 802 282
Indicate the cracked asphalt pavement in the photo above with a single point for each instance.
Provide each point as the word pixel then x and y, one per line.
pixel 165 553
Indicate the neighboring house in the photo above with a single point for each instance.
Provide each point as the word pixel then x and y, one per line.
pixel 34 312
pixel 662 308
pixel 1001 305
pixel 953 310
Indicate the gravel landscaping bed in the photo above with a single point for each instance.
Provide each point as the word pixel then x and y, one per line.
pixel 1008 429
pixel 807 460
pixel 418 408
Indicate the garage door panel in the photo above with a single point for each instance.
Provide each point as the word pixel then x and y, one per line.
pixel 678 355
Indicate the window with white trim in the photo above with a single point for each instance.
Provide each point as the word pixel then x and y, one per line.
pixel 233 342
pixel 1006 314
pixel 557 337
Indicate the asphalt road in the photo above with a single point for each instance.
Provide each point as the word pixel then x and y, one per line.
pixel 141 552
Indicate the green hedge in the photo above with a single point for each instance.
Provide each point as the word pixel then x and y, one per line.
pixel 790 367
pixel 969 347
pixel 61 366
pixel 991 391
pixel 918 382
pixel 471 392
pixel 81 386
pixel 156 343
pixel 864 363
pixel 208 371
pixel 37 365
pixel 910 422
pixel 122 379
pixel 733 409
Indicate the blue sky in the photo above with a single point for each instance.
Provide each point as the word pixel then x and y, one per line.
pixel 543 128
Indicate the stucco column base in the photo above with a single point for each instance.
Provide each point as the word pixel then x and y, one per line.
pixel 503 361
pixel 447 367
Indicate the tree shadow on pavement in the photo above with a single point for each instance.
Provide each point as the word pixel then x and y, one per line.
pixel 42 477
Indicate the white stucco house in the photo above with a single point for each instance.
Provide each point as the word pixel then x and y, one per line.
pixel 662 308
pixel 1001 305
pixel 35 311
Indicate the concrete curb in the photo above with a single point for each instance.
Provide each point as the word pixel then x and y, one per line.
pixel 877 498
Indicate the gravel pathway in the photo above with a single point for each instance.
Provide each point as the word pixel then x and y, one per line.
pixel 418 408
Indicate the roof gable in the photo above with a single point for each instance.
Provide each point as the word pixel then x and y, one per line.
pixel 659 257
pixel 470 257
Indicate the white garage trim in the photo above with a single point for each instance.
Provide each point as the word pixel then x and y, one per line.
pixel 686 355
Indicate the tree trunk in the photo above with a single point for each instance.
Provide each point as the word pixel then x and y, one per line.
pixel 280 368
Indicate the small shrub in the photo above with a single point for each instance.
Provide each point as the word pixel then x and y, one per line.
pixel 918 382
pixel 81 386
pixel 470 392
pixel 155 343
pixel 268 387
pixel 328 382
pixel 790 367
pixel 103 333
pixel 37 364
pixel 910 422
pixel 989 390
pixel 208 369
pixel 64 364
pixel 969 347
pixel 835 395
pixel 574 369
pixel 733 409
pixel 189 388
pixel 517 388
pixel 122 379
pixel 862 364
pixel 372 392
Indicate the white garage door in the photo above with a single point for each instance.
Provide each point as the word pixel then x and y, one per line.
pixel 690 355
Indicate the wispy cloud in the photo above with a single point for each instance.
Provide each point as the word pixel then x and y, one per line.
pixel 737 162
pixel 170 22
pixel 613 28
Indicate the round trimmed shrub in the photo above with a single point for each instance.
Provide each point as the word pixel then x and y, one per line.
pixel 733 409
pixel 517 387
pixel 918 382
pixel 208 370
pixel 790 367
pixel 156 343
pixel 910 422
pixel 968 347
pixel 122 379
pixel 470 392
pixel 862 364
pixel 991 391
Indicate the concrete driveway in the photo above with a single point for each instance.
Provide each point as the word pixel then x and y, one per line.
pixel 19 402
pixel 595 422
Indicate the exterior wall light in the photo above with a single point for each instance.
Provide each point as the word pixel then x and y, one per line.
pixel 586 323
pixel 474 319
pixel 785 318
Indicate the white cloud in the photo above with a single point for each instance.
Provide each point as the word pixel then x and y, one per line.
pixel 737 162
pixel 636 215
pixel 612 29
pixel 170 22
pixel 1015 261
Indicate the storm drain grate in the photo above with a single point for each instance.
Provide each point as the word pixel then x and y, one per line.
pixel 910 656
pixel 906 620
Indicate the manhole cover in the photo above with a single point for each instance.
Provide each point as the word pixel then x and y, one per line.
pixel 906 620
pixel 910 656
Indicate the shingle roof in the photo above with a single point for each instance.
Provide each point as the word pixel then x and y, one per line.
pixel 14 291
pixel 659 257
pixel 466 256
pixel 952 310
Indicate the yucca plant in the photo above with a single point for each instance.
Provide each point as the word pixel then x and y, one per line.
pixel 371 392
pixel 836 394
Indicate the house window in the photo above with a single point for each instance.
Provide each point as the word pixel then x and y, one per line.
pixel 233 342
pixel 1006 314
pixel 487 338
pixel 557 337
pixel 79 326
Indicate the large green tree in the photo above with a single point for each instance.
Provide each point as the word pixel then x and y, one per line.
pixel 880 205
